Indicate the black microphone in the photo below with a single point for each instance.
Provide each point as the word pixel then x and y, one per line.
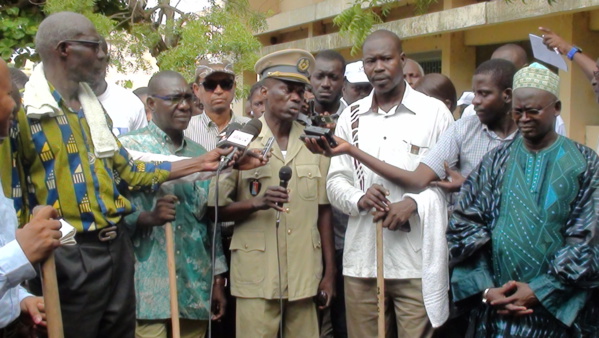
pixel 284 177
pixel 240 139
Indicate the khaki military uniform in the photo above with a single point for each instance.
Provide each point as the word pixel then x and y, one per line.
pixel 254 271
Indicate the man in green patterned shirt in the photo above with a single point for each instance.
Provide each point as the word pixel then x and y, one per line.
pixel 70 160
pixel 170 99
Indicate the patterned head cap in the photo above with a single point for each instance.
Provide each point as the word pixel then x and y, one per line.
pixel 289 65
pixel 207 65
pixel 537 76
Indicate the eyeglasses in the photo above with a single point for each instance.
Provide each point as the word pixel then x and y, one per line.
pixel 175 99
pixel 210 85
pixel 95 45
pixel 531 111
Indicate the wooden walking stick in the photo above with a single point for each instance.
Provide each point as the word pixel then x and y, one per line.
pixel 380 279
pixel 172 279
pixel 51 298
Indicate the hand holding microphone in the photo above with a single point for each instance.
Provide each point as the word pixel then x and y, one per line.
pixel 275 196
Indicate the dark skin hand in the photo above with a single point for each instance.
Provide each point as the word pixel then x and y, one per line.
pixel 164 211
pixel 375 197
pixel 242 209
pixel 41 235
pixel 518 303
pixel 453 185
pixel 270 198
pixel 398 215
pixel 219 302
pixel 33 312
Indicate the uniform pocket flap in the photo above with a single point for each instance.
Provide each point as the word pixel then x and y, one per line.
pixel 248 241
pixel 307 170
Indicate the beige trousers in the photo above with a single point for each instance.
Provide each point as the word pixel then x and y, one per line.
pixel 162 329
pixel 259 318
pixel 405 296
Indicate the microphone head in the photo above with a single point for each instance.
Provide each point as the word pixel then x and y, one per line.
pixel 253 127
pixel 231 128
pixel 285 173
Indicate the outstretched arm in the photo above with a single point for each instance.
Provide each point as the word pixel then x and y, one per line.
pixel 552 40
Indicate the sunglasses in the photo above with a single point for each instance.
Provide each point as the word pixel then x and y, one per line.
pixel 225 84
pixel 175 99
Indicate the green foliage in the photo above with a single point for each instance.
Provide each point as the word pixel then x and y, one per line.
pixel 132 29
pixel 17 33
pixel 357 21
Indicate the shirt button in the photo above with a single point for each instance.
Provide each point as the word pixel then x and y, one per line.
pixel 246 246
pixel 256 174
pixel 179 227
pixel 289 190
pixel 178 252
pixel 289 231
pixel 287 210
pixel 309 174
pixel 384 137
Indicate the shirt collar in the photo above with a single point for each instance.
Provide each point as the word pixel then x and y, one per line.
pixel 209 123
pixel 410 101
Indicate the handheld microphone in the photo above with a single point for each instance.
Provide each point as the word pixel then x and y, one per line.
pixel 284 177
pixel 224 135
pixel 240 139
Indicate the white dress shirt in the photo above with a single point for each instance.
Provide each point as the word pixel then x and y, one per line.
pixel 14 266
pixel 400 137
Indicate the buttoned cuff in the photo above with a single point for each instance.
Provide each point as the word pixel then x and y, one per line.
pixel 14 264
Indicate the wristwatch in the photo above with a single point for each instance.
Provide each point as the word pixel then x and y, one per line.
pixel 485 300
pixel 573 52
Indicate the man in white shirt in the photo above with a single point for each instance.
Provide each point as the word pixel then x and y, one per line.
pixel 125 109
pixel 398 125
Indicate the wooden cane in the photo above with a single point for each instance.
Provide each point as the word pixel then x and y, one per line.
pixel 380 279
pixel 172 279
pixel 51 298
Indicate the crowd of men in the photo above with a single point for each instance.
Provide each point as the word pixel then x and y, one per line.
pixel 490 222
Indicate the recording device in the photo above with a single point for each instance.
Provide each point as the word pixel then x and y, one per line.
pixel 313 132
pixel 317 119
pixel 240 139
pixel 268 146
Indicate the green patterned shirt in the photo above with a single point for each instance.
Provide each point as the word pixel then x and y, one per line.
pixel 192 232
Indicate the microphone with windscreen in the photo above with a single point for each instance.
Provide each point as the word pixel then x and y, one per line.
pixel 284 177
pixel 240 139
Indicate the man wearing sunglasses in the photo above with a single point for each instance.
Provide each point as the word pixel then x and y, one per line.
pixel 68 158
pixel 523 239
pixel 215 88
pixel 125 109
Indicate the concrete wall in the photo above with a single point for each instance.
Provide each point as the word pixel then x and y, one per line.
pixel 455 28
